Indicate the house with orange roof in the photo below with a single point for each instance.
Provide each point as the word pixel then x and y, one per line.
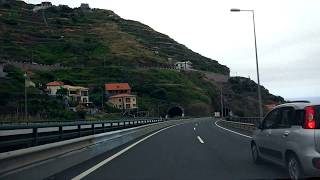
pixel 53 87
pixel 119 95
pixel 123 101
pixel 117 88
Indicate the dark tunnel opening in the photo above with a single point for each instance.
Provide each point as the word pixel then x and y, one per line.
pixel 175 112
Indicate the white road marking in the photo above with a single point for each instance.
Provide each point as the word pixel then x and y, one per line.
pixel 87 172
pixel 199 138
pixel 232 131
pixel 194 128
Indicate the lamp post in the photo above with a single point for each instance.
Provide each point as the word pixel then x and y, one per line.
pixel 257 62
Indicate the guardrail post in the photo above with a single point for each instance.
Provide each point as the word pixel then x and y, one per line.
pixel 93 130
pixel 79 130
pixel 60 133
pixel 35 136
pixel 103 127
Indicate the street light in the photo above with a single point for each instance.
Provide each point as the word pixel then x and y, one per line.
pixel 257 62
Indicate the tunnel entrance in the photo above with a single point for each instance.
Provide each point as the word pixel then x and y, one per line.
pixel 175 112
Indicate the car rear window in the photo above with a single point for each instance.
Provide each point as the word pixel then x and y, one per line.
pixel 299 117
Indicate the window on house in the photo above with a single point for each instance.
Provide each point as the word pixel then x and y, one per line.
pixel 134 105
pixel 133 99
pixel 120 106
pixel 73 92
pixel 120 100
pixel 85 100
pixel 84 93
pixel 127 106
pixel 127 100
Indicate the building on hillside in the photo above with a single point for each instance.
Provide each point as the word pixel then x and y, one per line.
pixel 117 88
pixel 77 94
pixel 184 66
pixel 84 6
pixel 46 4
pixel 2 74
pixel 53 87
pixel 123 101
pixel 42 6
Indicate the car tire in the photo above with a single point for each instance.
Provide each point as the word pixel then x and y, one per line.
pixel 294 167
pixel 255 154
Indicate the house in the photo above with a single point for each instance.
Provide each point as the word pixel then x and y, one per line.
pixel 46 4
pixel 77 94
pixel 117 88
pixel 185 66
pixel 2 74
pixel 84 6
pixel 123 101
pixel 53 87
pixel 42 6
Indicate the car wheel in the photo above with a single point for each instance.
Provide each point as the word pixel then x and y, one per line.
pixel 255 154
pixel 294 167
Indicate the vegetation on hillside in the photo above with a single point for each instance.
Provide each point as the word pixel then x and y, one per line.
pixel 100 47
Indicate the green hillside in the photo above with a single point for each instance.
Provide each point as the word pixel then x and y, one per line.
pixel 98 46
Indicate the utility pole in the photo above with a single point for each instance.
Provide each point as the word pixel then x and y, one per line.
pixel 102 98
pixel 221 102
pixel 25 96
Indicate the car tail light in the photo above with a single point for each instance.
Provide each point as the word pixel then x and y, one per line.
pixel 309 121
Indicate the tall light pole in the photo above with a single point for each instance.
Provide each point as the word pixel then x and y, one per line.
pixel 257 62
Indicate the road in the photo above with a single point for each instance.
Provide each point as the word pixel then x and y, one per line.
pixel 198 150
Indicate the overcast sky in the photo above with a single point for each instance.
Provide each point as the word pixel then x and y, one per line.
pixel 288 35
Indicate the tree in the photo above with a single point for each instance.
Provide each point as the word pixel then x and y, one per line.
pixel 62 92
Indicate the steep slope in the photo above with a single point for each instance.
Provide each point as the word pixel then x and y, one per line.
pixel 97 46
pixel 74 37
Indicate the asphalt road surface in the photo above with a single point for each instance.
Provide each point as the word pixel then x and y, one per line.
pixel 198 150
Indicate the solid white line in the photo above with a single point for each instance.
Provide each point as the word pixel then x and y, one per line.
pixel 194 128
pixel 232 131
pixel 250 124
pixel 199 138
pixel 87 172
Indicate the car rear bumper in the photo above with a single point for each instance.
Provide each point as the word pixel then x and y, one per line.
pixel 308 167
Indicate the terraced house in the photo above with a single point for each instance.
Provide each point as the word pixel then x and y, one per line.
pixel 119 95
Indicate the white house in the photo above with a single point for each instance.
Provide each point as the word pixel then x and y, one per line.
pixel 185 66
pixel 44 5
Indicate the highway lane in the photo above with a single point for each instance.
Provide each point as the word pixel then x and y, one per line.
pixel 189 151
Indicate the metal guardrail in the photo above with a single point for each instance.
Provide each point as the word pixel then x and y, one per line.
pixel 248 120
pixel 16 136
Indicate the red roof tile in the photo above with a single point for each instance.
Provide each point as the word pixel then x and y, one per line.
pixel 55 83
pixel 117 86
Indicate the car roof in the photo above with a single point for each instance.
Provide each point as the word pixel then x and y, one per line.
pixel 296 105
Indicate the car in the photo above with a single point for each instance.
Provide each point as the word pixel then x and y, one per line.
pixel 289 135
